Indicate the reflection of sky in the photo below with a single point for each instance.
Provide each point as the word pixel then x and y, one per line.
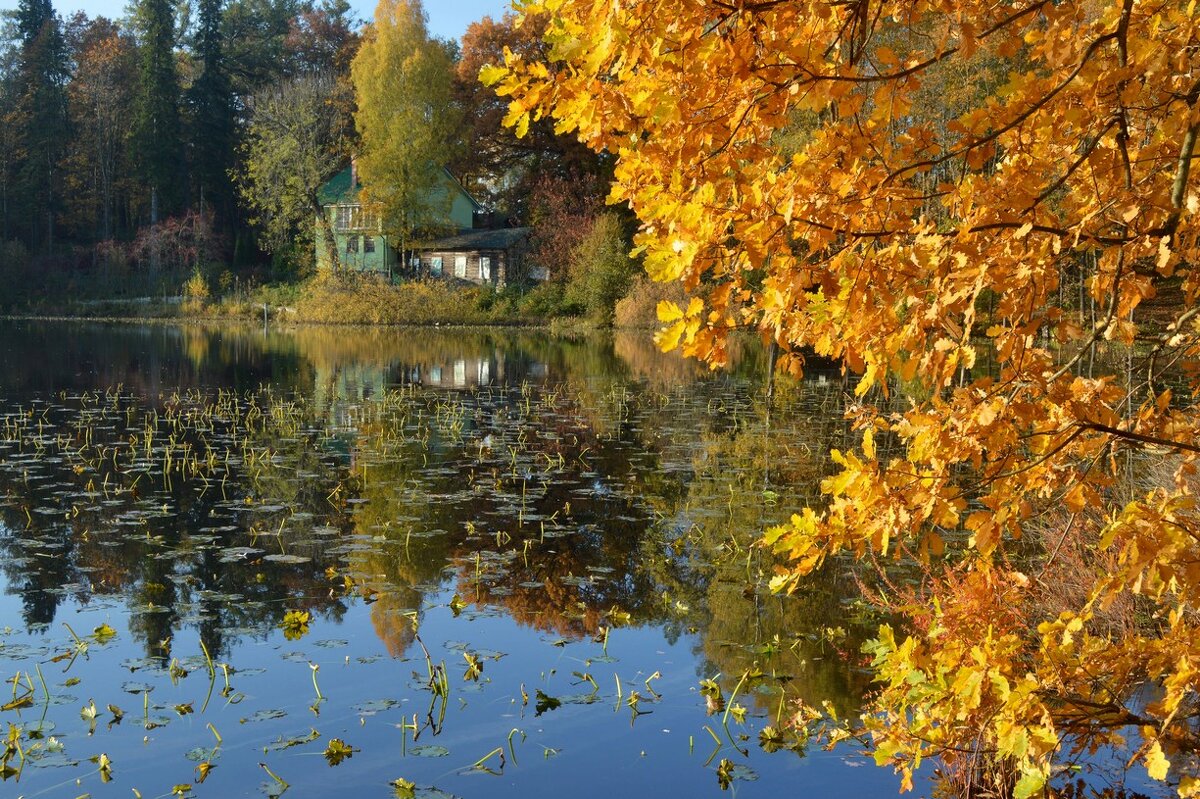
pixel 600 753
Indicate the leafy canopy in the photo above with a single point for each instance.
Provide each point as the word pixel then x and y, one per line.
pixel 295 142
pixel 402 81
pixel 881 183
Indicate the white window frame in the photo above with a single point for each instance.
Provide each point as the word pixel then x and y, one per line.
pixel 460 266
pixel 351 216
pixel 485 268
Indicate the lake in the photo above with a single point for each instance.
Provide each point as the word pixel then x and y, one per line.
pixel 319 561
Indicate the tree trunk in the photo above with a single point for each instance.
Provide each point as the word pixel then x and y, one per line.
pixel 326 234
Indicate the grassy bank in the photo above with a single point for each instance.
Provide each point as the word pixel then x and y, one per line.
pixel 354 301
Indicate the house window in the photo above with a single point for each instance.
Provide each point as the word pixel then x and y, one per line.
pixel 353 217
pixel 460 266
pixel 435 266
pixel 368 244
pixel 351 244
pixel 485 269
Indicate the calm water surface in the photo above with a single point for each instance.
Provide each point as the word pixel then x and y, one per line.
pixel 519 556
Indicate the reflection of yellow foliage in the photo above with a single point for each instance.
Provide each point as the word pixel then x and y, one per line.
pixel 647 362
pixel 391 616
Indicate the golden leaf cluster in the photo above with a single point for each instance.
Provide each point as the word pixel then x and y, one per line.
pixel 988 210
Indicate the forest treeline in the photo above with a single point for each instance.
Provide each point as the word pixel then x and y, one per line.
pixel 189 138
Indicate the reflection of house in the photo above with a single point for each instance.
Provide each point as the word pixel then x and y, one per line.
pixel 357 228
pixel 460 372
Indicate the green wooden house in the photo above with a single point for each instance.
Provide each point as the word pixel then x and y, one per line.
pixel 358 231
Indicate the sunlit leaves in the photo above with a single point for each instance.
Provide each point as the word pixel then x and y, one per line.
pixel 880 193
pixel 404 118
pixel 295 624
pixel 337 750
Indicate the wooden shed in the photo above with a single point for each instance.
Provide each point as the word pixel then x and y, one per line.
pixel 485 257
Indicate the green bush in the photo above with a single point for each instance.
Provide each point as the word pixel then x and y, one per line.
pixel 544 301
pixel 601 269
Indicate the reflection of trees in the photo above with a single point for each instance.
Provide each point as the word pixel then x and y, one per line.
pixel 741 469
pixel 113 525
pixel 597 477
pixel 666 490
pixel 45 358
pixel 518 469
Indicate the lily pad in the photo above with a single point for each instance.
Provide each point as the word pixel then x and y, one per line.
pixel 373 706
pixel 430 750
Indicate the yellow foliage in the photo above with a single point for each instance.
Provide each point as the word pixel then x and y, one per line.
pixel 879 184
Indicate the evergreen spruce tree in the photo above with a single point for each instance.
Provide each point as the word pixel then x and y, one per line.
pixel 157 133
pixel 40 118
pixel 210 101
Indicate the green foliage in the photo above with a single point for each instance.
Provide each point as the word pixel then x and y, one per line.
pixel 156 124
pixel 294 144
pixel 14 273
pixel 404 118
pixel 546 300
pixel 39 119
pixel 601 269
pixel 211 122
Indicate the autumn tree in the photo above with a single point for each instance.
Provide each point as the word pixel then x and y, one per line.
pixel 402 87
pixel 323 38
pixel 101 104
pixel 561 211
pixel 784 169
pixel 295 142
pixel 492 159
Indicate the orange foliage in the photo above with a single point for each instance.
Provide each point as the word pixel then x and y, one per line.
pixel 869 181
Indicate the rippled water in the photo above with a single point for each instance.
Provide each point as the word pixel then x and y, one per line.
pixel 526 564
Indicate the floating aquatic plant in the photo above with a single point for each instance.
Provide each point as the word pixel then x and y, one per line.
pixel 295 624
pixel 338 750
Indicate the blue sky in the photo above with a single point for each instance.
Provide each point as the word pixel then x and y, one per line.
pixel 447 18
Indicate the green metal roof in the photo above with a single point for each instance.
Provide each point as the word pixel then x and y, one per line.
pixel 338 189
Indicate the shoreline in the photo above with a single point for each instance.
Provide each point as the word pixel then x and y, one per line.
pixel 568 325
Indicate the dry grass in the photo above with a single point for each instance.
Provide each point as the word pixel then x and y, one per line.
pixel 418 303
pixel 639 307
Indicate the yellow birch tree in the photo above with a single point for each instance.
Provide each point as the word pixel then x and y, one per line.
pixel 402 80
